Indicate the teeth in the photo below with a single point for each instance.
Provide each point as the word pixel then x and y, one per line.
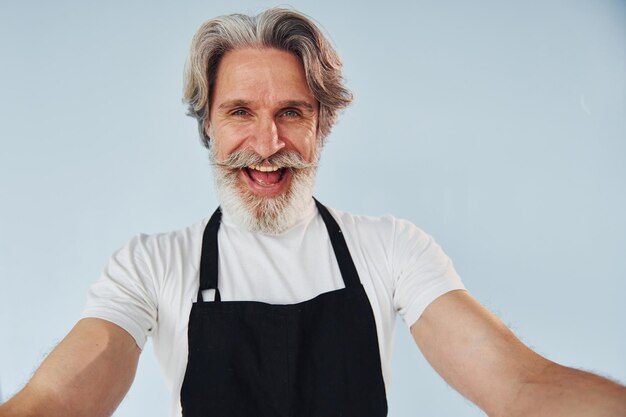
pixel 264 168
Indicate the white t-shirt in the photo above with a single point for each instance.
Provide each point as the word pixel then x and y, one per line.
pixel 149 285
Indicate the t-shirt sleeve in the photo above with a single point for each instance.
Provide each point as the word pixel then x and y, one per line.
pixel 125 292
pixel 422 271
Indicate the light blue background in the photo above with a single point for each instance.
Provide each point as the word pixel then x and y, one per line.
pixel 498 127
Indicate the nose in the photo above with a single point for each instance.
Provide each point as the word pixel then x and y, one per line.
pixel 265 141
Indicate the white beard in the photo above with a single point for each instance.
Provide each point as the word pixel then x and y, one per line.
pixel 269 215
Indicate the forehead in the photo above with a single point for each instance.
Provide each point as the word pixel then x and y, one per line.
pixel 265 74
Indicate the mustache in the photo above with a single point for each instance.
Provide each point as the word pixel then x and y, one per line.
pixel 246 157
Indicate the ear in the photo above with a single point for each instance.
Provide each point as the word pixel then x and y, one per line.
pixel 206 128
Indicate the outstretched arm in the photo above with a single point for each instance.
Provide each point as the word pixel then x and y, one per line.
pixel 483 360
pixel 87 374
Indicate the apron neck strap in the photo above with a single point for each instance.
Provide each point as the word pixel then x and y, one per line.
pixel 346 265
pixel 210 255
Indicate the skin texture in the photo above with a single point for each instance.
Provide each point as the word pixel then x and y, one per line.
pixel 483 360
pixel 87 374
pixel 261 102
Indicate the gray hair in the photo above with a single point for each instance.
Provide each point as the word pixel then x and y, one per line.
pixel 277 28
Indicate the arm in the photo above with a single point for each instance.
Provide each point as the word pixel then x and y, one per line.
pixel 87 374
pixel 483 360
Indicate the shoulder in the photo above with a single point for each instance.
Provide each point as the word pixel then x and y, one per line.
pixel 386 241
pixel 386 228
pixel 163 242
pixel 405 249
pixel 155 256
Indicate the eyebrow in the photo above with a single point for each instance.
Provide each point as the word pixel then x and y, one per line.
pixel 233 103
pixel 297 103
pixel 286 103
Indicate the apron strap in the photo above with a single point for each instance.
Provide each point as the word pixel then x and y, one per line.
pixel 209 257
pixel 346 264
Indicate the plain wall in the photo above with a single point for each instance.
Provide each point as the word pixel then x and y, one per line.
pixel 498 127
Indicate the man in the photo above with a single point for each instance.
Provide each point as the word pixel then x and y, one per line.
pixel 277 305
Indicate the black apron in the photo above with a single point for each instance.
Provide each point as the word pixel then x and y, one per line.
pixel 315 358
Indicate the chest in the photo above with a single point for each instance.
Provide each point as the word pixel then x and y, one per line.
pixel 276 271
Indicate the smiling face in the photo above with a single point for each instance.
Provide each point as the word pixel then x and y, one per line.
pixel 263 128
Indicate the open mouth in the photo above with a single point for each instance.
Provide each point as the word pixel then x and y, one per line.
pixel 265 175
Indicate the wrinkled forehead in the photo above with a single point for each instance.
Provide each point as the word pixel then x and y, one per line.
pixel 260 74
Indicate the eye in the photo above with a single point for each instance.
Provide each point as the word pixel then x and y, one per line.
pixel 239 112
pixel 290 113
